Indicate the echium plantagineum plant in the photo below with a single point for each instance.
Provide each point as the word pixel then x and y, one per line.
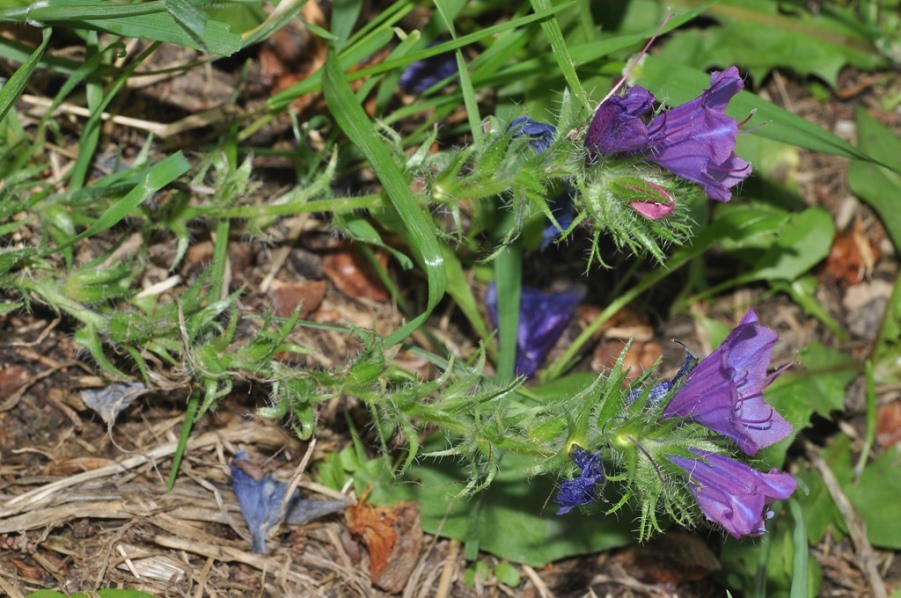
pixel 673 448
pixel 668 448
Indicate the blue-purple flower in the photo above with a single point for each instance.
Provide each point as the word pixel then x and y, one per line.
pixel 659 391
pixel 695 141
pixel 541 134
pixel 733 494
pixel 261 496
pixel 725 390
pixel 583 489
pixel 563 209
pixel 419 76
pixel 542 319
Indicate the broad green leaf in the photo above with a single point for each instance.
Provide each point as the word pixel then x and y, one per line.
pixel 191 19
pixel 875 495
pixel 816 385
pixel 879 187
pixel 513 519
pixel 803 242
pixel 808 44
pixel 677 84
pixel 420 230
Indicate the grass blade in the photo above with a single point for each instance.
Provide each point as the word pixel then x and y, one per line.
pixel 350 116
pixel 13 88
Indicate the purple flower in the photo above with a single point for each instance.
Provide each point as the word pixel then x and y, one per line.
pixel 419 76
pixel 542 319
pixel 725 391
pixel 583 489
pixel 563 209
pixel 260 498
pixel 733 494
pixel 541 134
pixel 695 141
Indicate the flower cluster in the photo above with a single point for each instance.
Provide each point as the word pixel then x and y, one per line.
pixel 695 141
pixel 722 393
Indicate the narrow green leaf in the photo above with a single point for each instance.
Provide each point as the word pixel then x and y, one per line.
pixel 313 83
pixel 344 15
pixel 349 115
pixel 561 53
pixel 508 277
pixel 190 18
pixel 12 89
pixel 799 551
pixel 155 179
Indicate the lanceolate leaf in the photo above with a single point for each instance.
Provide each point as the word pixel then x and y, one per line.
pixel 420 233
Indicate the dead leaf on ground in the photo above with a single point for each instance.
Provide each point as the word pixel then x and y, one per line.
pixel 640 357
pixel 888 424
pixel 12 378
pixel 286 296
pixel 852 257
pixel 353 275
pixel 393 538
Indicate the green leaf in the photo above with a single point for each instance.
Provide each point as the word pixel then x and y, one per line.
pixel 678 84
pixel 515 518
pixel 420 230
pixel 875 495
pixel 13 87
pixel 803 242
pixel 148 20
pixel 879 187
pixel 807 44
pixel 344 16
pixel 815 386
pixel 191 19
pixel 155 179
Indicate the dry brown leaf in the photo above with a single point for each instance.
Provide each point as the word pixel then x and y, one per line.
pixel 12 378
pixel 351 274
pixel 852 257
pixel 393 538
pixel 285 297
pixel 888 424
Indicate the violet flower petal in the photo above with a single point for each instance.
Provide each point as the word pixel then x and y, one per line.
pixel 696 140
pixel 419 76
pixel 261 504
pixel 583 489
pixel 542 319
pixel 563 209
pixel 617 126
pixel 541 134
pixel 725 391
pixel 733 494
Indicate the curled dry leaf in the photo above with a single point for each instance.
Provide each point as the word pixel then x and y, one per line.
pixel 852 257
pixel 393 538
